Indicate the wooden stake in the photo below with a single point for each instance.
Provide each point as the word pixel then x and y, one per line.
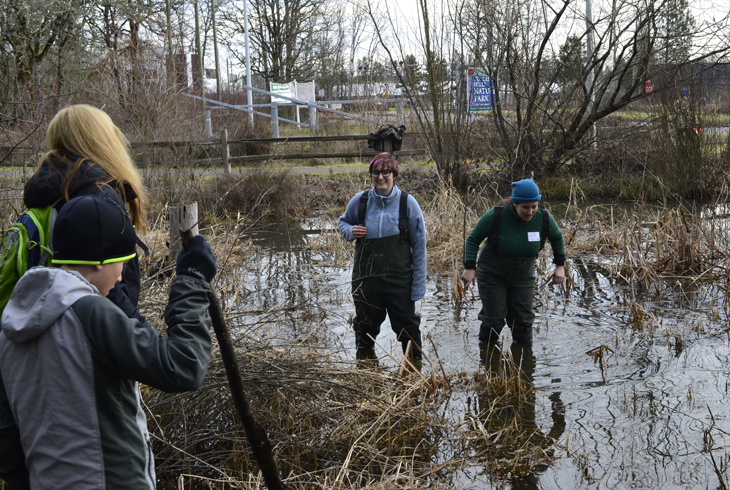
pixel 255 434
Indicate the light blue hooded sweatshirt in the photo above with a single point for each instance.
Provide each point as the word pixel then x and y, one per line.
pixel 381 220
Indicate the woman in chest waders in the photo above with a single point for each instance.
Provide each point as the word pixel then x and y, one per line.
pixel 505 272
pixel 389 275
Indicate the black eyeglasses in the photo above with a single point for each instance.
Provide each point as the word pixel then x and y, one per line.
pixel 377 173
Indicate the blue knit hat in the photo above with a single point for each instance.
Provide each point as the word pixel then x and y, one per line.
pixel 525 191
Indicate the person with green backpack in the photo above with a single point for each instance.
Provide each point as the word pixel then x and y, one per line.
pixel 516 231
pixel 87 155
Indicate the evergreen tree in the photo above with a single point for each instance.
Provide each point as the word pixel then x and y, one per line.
pixel 571 61
pixel 676 25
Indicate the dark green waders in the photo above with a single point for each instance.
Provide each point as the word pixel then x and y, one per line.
pixel 381 283
pixel 506 288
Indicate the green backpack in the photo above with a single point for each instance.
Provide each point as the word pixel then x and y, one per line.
pixel 26 244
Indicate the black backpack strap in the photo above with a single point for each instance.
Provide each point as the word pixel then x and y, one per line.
pixel 143 246
pixel 545 226
pixel 403 216
pixel 493 238
pixel 362 207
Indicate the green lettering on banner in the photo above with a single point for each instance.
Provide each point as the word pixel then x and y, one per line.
pixel 284 89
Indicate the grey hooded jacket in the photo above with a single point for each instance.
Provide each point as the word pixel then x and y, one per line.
pixel 70 361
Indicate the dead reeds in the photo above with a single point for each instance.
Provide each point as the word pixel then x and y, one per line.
pixel 650 246
pixel 333 426
pixel 448 222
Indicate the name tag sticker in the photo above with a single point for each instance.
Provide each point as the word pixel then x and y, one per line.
pixel 533 236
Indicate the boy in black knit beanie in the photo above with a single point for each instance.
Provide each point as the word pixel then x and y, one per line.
pixel 70 359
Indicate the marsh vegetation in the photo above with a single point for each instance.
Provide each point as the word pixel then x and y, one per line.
pixel 624 385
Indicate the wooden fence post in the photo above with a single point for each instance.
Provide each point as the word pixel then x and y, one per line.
pixel 225 153
pixel 182 217
pixel 399 112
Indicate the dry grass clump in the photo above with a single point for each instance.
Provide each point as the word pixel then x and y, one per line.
pixel 420 182
pixel 448 222
pixel 274 195
pixel 333 192
pixel 652 245
pixel 331 426
pixel 258 195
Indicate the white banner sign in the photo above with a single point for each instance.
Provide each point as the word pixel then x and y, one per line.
pixel 295 90
pixel 284 89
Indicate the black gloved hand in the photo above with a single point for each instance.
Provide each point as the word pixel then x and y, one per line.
pixel 198 260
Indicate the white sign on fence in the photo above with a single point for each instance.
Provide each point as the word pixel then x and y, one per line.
pixel 305 91
pixel 302 91
pixel 284 89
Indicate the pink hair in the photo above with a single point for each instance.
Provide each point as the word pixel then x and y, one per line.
pixel 382 158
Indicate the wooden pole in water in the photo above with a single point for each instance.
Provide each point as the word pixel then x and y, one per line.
pixel 255 434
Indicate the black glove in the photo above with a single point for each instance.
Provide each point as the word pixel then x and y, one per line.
pixel 198 260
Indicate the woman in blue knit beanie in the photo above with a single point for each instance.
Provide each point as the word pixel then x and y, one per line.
pixel 516 231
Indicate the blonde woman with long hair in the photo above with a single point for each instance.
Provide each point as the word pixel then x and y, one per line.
pixel 89 155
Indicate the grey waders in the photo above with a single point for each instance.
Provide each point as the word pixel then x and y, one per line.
pixel 506 288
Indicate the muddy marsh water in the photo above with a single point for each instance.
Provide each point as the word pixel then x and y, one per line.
pixel 626 388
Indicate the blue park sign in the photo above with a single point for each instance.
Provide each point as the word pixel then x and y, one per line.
pixel 479 90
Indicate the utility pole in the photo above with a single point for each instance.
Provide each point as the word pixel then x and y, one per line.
pixel 201 68
pixel 215 52
pixel 249 94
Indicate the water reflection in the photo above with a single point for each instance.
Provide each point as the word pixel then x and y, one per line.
pixel 515 437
